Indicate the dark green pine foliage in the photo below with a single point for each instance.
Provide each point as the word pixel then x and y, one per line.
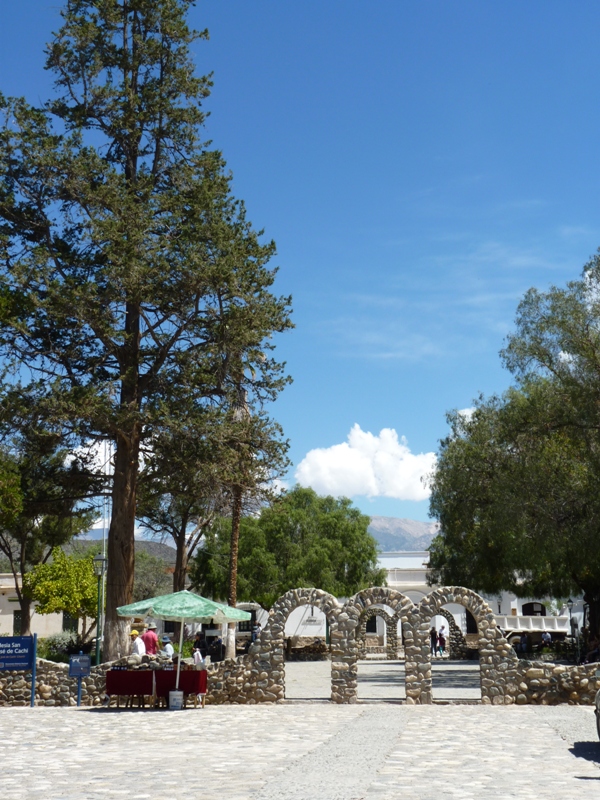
pixel 130 276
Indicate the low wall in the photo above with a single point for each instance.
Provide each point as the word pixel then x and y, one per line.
pixel 230 681
pixel 53 687
pixel 259 676
pixel 547 683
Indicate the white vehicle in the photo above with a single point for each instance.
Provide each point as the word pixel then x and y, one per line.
pixel 597 711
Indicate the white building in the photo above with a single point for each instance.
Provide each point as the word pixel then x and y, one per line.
pixel 10 613
pixel 407 573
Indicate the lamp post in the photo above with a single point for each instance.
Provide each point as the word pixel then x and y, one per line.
pixel 99 569
pixel 572 623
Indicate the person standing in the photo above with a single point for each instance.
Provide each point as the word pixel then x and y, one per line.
pixel 199 644
pixel 150 639
pixel 442 641
pixel 137 644
pixel 433 641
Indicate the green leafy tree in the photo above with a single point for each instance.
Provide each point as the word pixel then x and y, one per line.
pixel 181 487
pixel 45 499
pixel 153 576
pixel 212 465
pixel 301 540
pixel 129 272
pixel 515 492
pixel 66 584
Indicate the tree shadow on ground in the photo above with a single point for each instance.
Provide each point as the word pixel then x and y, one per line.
pixel 588 750
pixel 463 679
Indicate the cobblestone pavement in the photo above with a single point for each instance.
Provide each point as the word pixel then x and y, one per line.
pixel 301 751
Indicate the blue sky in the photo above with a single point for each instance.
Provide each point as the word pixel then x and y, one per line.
pixel 420 165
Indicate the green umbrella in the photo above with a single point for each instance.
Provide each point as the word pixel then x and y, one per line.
pixel 182 606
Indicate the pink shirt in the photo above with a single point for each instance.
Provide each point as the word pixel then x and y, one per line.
pixel 150 639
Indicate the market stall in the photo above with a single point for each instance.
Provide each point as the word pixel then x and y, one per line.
pixel 181 607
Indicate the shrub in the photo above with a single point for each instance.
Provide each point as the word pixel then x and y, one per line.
pixel 58 647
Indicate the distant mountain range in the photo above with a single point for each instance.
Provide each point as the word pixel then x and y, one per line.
pixel 158 549
pixel 394 534
pixel 390 533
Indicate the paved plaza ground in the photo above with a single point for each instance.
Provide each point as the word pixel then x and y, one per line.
pixel 304 749
pixel 384 680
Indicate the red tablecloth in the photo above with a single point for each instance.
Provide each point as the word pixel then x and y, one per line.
pixel 130 682
pixel 190 681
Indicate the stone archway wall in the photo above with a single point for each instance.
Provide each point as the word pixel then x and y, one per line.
pixel 493 648
pixel 268 652
pixel 391 625
pixel 259 677
pixel 402 607
pixel 457 644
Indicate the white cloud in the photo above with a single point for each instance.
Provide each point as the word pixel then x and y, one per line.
pixel 375 466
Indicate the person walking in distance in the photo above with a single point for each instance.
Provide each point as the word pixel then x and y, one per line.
pixel 442 641
pixel 433 641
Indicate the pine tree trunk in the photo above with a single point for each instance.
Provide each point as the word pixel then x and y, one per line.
pixel 236 517
pixel 181 566
pixel 121 548
pixel 121 534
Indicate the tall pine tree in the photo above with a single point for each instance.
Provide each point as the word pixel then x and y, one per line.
pixel 129 273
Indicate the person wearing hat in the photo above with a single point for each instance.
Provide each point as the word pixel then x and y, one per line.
pixel 167 647
pixel 150 639
pixel 200 644
pixel 138 647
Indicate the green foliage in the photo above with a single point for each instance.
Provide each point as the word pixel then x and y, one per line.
pixel 147 276
pixel 65 584
pixel 302 540
pixel 515 489
pixel 11 495
pixel 46 488
pixel 152 576
pixel 514 501
pixel 189 481
pixel 58 647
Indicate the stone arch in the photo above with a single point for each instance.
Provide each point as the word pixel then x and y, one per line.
pixel 391 631
pixel 355 608
pixel 493 647
pixel 268 653
pixel 457 644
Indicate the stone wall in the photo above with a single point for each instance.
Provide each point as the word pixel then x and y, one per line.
pixel 546 683
pixel 53 687
pixel 259 676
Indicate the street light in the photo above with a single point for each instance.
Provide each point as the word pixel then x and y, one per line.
pixel 100 563
pixel 574 625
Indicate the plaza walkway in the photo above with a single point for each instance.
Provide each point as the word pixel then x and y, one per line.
pixel 383 680
pixel 302 750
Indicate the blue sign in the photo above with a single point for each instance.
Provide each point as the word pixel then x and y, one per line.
pixel 80 666
pixel 16 652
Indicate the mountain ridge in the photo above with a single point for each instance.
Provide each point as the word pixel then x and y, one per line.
pixel 396 533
